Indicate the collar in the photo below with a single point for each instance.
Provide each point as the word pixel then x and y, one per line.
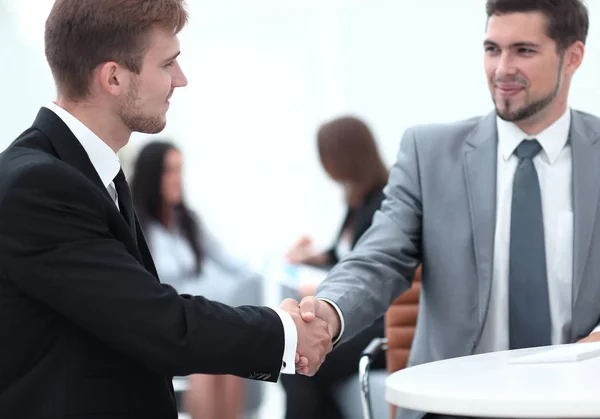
pixel 552 139
pixel 103 158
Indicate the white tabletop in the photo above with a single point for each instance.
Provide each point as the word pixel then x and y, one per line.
pixel 550 382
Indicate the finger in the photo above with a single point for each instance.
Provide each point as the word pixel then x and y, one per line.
pixel 302 369
pixel 308 308
pixel 289 304
pixel 310 368
pixel 297 358
pixel 302 363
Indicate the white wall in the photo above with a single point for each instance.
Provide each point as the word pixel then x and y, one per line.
pixel 25 81
pixel 264 74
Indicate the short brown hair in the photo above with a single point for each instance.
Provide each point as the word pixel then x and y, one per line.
pixel 82 34
pixel 568 20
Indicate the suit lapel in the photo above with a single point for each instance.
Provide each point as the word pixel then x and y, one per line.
pixel 70 151
pixel 480 161
pixel 586 187
pixel 144 250
pixel 67 147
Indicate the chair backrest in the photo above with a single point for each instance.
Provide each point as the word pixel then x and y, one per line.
pixel 400 324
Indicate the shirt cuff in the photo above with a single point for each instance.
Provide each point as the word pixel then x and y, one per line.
pixel 339 313
pixel 596 329
pixel 291 342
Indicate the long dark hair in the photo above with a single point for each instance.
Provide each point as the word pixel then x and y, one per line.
pixel 146 186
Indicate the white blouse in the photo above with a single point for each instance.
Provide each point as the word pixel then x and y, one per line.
pixel 222 276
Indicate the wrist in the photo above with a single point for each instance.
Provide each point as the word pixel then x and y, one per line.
pixel 333 321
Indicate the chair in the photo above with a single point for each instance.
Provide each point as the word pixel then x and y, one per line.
pixel 400 324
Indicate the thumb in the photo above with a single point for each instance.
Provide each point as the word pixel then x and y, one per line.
pixel 308 308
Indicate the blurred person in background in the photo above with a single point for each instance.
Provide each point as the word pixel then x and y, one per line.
pixel 349 155
pixel 191 260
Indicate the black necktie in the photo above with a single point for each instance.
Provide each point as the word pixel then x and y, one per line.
pixel 529 307
pixel 124 198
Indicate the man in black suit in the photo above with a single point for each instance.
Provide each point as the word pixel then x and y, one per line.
pixel 86 328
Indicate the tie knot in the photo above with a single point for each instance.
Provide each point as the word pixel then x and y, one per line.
pixel 528 149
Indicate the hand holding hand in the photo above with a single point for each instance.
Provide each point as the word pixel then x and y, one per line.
pixel 314 340
pixel 312 308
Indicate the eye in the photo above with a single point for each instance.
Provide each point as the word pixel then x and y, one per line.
pixel 170 64
pixel 526 51
pixel 491 49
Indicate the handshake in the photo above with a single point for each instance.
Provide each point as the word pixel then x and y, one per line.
pixel 317 323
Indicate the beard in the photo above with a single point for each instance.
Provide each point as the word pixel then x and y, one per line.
pixel 133 117
pixel 529 109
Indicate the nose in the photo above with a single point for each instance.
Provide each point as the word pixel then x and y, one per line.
pixel 179 78
pixel 505 66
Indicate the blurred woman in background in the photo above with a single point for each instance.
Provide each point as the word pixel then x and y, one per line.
pixel 191 261
pixel 349 155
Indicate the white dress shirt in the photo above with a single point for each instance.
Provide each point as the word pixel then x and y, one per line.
pixel 103 158
pixel 553 165
pixel 107 165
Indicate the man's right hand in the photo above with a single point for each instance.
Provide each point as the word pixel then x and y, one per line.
pixel 314 340
pixel 313 309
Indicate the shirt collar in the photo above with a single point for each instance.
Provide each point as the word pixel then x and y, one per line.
pixel 552 139
pixel 103 158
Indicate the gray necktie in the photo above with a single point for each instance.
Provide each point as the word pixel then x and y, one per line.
pixel 529 308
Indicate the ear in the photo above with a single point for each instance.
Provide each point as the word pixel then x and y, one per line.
pixel 113 78
pixel 573 57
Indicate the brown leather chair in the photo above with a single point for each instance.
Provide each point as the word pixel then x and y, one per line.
pixel 400 324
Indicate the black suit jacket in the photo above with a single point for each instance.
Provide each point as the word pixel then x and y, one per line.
pixel 86 328
pixel 360 219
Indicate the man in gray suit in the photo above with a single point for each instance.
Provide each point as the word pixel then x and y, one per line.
pixel 500 210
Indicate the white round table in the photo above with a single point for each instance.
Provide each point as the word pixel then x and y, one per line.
pixel 550 382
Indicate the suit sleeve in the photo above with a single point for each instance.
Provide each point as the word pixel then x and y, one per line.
pixel 57 248
pixel 364 284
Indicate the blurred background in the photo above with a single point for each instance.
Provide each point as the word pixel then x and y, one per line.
pixel 263 76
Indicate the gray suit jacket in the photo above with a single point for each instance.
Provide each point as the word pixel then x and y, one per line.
pixel 440 210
